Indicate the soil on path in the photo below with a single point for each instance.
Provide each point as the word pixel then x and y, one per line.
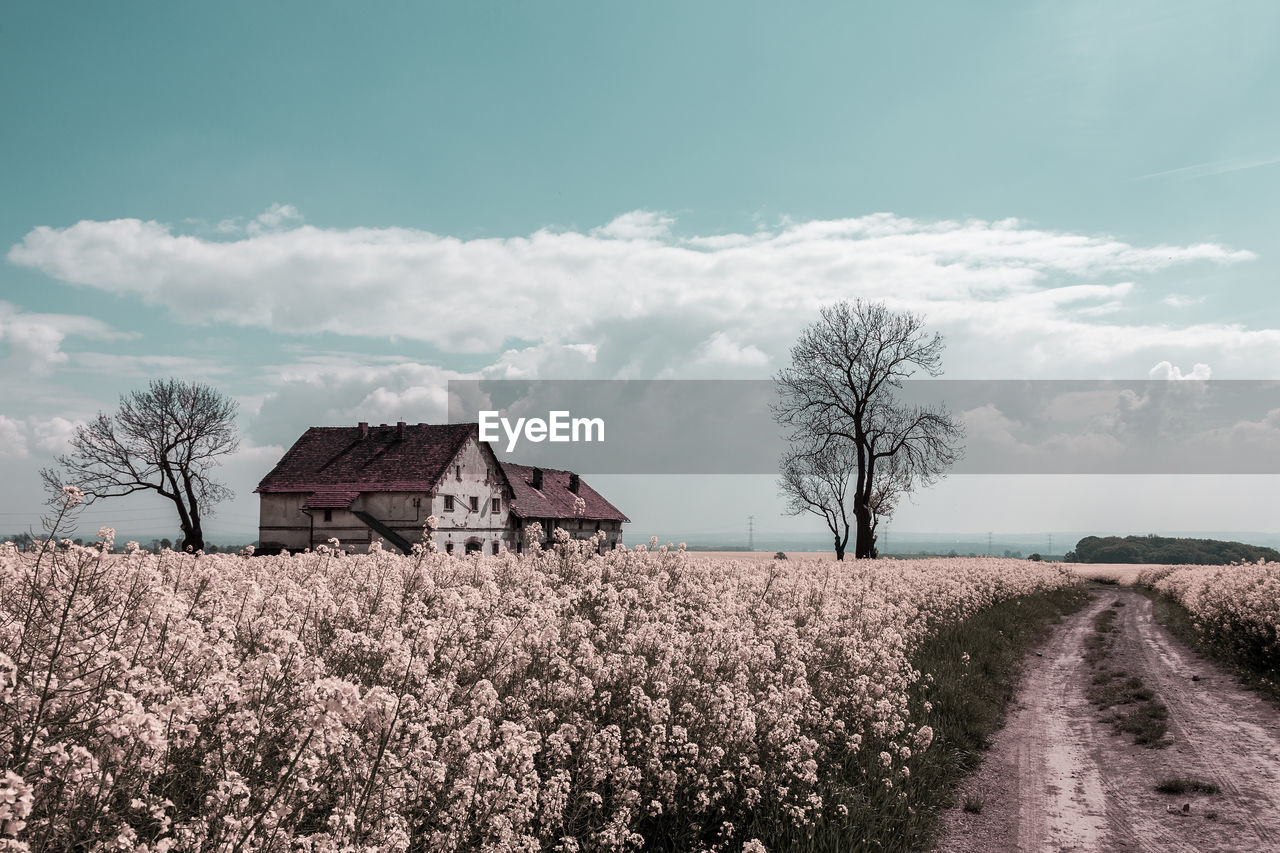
pixel 1058 778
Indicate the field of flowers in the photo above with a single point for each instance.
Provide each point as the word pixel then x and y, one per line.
pixel 1236 608
pixel 553 701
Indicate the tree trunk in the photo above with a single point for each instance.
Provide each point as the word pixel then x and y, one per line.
pixel 865 541
pixel 192 538
pixel 839 549
pixel 192 535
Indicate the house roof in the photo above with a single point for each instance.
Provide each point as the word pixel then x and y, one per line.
pixel 332 498
pixel 387 460
pixel 554 500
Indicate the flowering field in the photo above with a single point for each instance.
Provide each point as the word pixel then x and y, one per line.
pixel 553 701
pixel 1235 607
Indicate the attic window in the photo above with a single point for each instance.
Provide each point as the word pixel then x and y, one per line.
pixel 495 505
pixel 448 503
pixel 457 472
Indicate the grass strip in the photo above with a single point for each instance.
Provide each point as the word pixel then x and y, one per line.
pixel 1135 710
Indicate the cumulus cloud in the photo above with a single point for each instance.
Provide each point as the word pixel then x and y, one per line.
pixel 1166 370
pixel 544 361
pixel 337 391
pixel 35 340
pixel 48 435
pixel 52 434
pixel 13 438
pixel 722 350
pixel 1181 300
pixel 637 225
pixel 681 301
pixel 274 218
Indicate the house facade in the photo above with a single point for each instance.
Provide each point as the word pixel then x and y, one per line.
pixel 365 483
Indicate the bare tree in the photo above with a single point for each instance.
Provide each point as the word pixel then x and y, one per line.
pixel 841 388
pixel 166 439
pixel 817 482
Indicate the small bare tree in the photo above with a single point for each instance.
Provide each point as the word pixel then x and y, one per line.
pixel 818 483
pixel 839 399
pixel 166 439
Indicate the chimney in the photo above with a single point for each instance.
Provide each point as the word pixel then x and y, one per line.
pixel 399 430
pixel 537 478
pixel 364 430
pixel 573 483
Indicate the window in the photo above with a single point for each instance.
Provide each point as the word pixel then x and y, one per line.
pixel 475 504
pixel 448 548
pixel 457 472
pixel 448 504
pixel 496 505
pixel 495 547
pixel 328 515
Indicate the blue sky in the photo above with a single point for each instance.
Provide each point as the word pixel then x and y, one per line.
pixel 328 210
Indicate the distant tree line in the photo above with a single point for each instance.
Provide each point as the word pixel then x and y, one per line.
pixel 1169 550
pixel 24 541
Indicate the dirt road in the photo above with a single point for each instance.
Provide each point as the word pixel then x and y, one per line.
pixel 1057 777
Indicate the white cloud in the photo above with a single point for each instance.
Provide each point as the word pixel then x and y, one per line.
pixel 274 218
pixel 13 438
pixel 637 225
pixel 1167 370
pixel 1008 292
pixel 52 434
pixel 337 391
pixel 47 434
pixel 35 340
pixel 544 361
pixel 722 350
pixel 114 364
pixel 1181 300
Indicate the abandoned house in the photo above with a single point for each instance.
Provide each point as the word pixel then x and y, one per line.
pixel 362 483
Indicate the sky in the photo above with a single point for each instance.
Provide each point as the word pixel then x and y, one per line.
pixel 327 211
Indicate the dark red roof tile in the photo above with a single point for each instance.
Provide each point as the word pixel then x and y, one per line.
pixel 554 500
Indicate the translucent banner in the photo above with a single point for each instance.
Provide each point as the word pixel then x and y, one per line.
pixel 1011 426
